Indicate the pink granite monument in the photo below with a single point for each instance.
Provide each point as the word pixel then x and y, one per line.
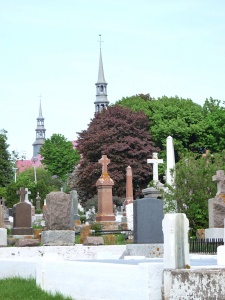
pixel 104 185
pixel 129 186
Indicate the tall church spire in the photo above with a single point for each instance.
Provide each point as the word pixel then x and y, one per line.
pixel 40 133
pixel 101 101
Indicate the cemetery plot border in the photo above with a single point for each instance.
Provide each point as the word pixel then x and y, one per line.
pixel 207 246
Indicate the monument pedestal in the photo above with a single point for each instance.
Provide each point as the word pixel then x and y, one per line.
pixel 58 238
pixel 107 225
pixel 214 233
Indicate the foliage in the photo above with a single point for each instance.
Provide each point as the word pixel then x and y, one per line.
pixel 59 156
pixel 6 173
pixel 18 288
pixel 214 115
pixel 194 186
pixel 180 118
pixel 45 184
pixel 123 136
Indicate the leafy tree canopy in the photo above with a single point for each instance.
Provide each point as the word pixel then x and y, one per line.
pixel 123 136
pixel 59 156
pixel 194 186
pixel 45 184
pixel 180 118
pixel 6 173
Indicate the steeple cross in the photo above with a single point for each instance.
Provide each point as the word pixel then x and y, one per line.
pixel 104 161
pixel 220 179
pixel 100 40
pixel 22 192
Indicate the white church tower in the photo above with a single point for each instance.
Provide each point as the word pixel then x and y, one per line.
pixel 101 87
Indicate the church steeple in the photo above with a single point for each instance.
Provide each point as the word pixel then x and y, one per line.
pixel 40 133
pixel 101 87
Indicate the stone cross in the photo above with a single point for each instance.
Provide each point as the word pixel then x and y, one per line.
pixel 104 161
pixel 26 196
pixel 220 179
pixel 155 161
pixel 22 192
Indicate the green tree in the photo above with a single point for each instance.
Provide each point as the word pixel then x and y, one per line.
pixel 45 184
pixel 194 186
pixel 59 156
pixel 6 173
pixel 181 118
pixel 123 136
pixel 214 114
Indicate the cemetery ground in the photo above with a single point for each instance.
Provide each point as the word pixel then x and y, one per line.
pixel 19 288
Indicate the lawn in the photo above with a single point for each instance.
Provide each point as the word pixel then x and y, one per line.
pixel 17 288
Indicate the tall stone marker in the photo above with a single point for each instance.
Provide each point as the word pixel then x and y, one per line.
pixel 104 185
pixel 1 216
pixel 38 201
pixel 216 207
pixel 129 198
pixel 22 223
pixel 170 161
pixel 75 218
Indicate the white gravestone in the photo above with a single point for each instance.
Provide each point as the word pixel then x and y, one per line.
pixel 155 161
pixel 3 237
pixel 176 247
pixel 129 215
pixel 170 161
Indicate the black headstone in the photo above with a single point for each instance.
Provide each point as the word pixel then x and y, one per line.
pixel 148 216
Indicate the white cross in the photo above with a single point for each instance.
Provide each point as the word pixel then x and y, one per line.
pixel 26 195
pixel 155 161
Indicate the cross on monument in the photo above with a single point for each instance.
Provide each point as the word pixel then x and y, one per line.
pixel 220 179
pixel 155 161
pixel 104 161
pixel 26 196
pixel 22 192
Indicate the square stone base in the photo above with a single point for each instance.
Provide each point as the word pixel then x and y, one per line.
pixel 214 233
pixel 58 238
pixel 22 231
pixel 109 225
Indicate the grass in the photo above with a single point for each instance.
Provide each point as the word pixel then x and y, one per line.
pixel 17 288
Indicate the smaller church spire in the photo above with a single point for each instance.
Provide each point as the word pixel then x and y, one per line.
pixel 101 86
pixel 40 133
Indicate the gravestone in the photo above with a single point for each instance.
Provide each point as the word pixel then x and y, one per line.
pixel 216 208
pixel 57 220
pixel 38 201
pixel 1 216
pixel 105 203
pixel 129 199
pixel 148 216
pixel 75 218
pixel 176 247
pixel 22 216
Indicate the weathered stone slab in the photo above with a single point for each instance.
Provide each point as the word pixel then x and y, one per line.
pixel 85 230
pixel 1 216
pixel 58 238
pixel 217 211
pixel 27 243
pixel 3 237
pixel 93 241
pixel 58 211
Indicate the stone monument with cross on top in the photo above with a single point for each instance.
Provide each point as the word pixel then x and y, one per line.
pixel 155 161
pixel 104 185
pixel 220 179
pixel 22 222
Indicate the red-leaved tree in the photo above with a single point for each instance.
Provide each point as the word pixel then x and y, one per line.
pixel 123 135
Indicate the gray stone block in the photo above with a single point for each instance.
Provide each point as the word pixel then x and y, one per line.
pixel 93 241
pixel 148 216
pixel 58 237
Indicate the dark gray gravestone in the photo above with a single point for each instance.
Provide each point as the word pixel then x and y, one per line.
pixel 148 216
pixel 22 216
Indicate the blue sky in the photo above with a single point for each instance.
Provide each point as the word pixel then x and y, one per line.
pixel 50 47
